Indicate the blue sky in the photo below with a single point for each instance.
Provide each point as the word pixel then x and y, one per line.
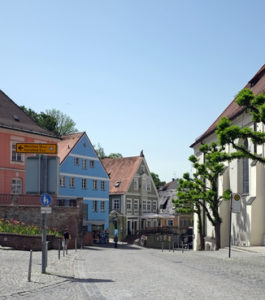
pixel 134 75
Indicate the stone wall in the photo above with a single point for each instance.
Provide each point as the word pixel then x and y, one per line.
pixel 60 218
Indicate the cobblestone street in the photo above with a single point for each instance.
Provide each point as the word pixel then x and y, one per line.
pixel 131 272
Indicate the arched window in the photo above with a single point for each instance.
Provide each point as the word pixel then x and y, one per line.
pixel 246 171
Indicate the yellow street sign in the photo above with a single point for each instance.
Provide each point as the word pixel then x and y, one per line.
pixel 36 148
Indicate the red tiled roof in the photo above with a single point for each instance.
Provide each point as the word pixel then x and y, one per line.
pixel 256 84
pixel 121 170
pixel 13 117
pixel 67 143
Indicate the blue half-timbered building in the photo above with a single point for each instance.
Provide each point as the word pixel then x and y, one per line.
pixel 83 176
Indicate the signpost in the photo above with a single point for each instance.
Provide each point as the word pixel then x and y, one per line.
pixel 234 207
pixel 36 148
pixel 45 200
pixel 41 181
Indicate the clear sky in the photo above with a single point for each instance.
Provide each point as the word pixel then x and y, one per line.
pixel 135 75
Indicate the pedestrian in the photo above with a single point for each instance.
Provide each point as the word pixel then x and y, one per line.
pixel 115 241
pixel 66 237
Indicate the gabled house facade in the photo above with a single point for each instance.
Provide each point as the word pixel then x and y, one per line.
pixel 133 195
pixel 83 176
pixel 16 127
pixel 243 176
pixel 168 216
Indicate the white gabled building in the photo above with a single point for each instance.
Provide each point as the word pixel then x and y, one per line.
pixel 244 176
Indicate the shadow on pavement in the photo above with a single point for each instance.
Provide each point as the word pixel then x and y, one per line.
pixel 84 280
pixel 98 247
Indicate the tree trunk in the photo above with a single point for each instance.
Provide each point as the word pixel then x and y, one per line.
pixel 202 242
pixel 217 228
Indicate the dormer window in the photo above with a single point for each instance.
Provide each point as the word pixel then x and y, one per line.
pixel 117 184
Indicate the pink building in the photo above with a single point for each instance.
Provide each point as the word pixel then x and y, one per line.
pixel 16 127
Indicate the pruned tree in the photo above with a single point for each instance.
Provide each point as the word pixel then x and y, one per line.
pixel 201 190
pixel 188 201
pixel 233 134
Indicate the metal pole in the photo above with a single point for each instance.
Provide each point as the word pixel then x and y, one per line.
pixel 59 249
pixel 75 244
pixel 162 245
pixel 47 253
pixel 30 265
pixel 45 188
pixel 230 226
pixel 173 246
pixel 44 243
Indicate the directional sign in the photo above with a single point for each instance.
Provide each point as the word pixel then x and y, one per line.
pixel 36 148
pixel 45 199
pixel 46 210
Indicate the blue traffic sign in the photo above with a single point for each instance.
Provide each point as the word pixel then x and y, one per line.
pixel 46 199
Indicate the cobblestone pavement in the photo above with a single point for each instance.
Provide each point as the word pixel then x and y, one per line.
pixel 132 272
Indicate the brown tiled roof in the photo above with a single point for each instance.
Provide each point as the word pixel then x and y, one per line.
pixel 121 170
pixel 13 117
pixel 256 84
pixel 67 143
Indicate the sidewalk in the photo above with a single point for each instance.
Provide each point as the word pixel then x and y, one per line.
pixel 15 265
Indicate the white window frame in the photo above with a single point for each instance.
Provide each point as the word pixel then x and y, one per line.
pixel 14 156
pixel 136 184
pixel 144 205
pixel 71 182
pixel 102 206
pixel 76 161
pixel 84 164
pixel 62 181
pixel 16 188
pixel 92 163
pixel 102 185
pixel 148 186
pixel 148 205
pixel 95 184
pixel 129 204
pixel 95 205
pixel 154 206
pixel 116 204
pixel 136 205
pixel 84 183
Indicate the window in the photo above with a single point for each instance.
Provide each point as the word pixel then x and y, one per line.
pixel 95 184
pixel 135 184
pixel 95 206
pixel 129 204
pixel 144 205
pixel 62 181
pixel 76 161
pixel 169 222
pixel 144 185
pixel 148 205
pixel 148 187
pixel 102 185
pixel 92 163
pixel 245 172
pixel 84 183
pixel 16 186
pixel 71 182
pixel 154 206
pixel 84 164
pixel 102 206
pixel 136 204
pixel 116 204
pixel 16 156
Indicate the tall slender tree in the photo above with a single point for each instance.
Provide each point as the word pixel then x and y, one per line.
pixel 201 190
